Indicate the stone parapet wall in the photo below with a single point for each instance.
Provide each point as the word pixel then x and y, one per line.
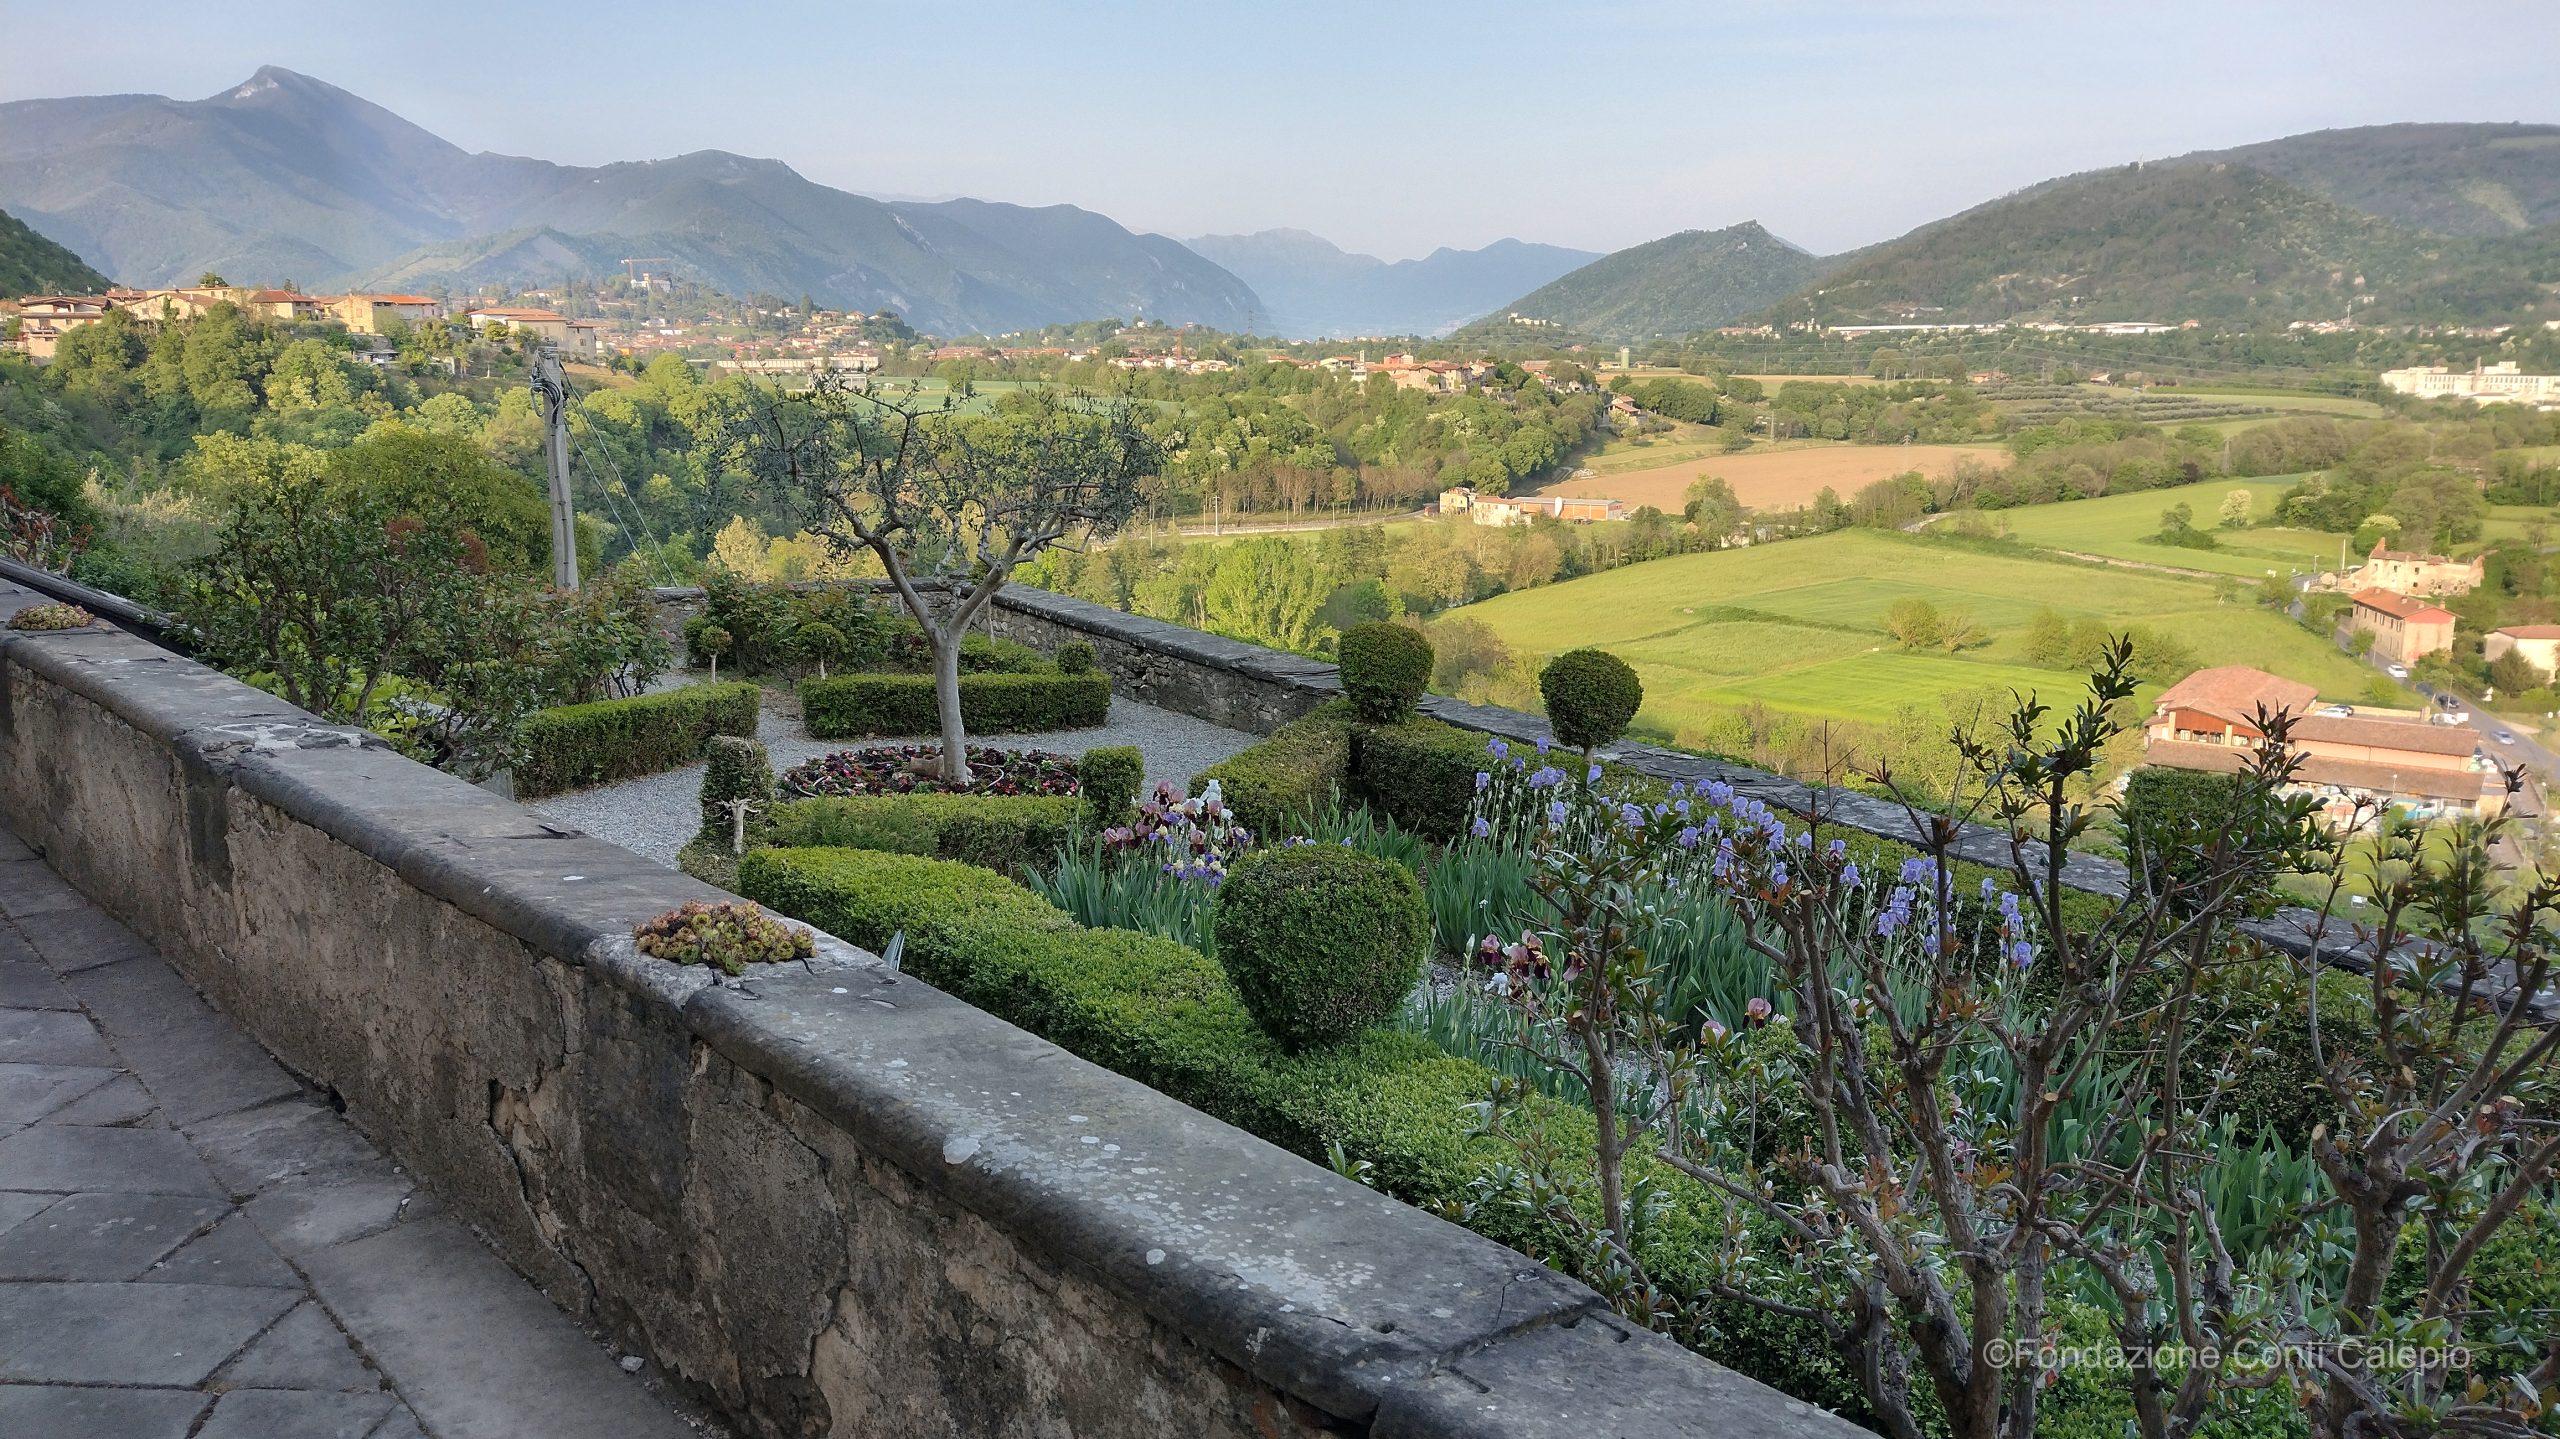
pixel 828 1198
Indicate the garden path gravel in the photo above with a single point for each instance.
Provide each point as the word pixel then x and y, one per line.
pixel 655 814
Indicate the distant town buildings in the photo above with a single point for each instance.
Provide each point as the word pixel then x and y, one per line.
pixel 44 319
pixel 2212 720
pixel 2403 629
pixel 2499 384
pixel 1506 510
pixel 801 365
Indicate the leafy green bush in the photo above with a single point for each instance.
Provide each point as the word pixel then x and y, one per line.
pixel 1592 696
pixel 2168 821
pixel 819 644
pixel 736 768
pixel 573 746
pixel 1421 773
pixel 1075 657
pixel 1004 833
pixel 726 936
pixel 1292 774
pixel 991 702
pixel 1385 668
pixel 1322 941
pixel 985 655
pixel 1110 778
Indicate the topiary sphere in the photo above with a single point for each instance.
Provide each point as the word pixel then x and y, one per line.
pixel 1591 695
pixel 1384 669
pixel 1075 657
pixel 1321 941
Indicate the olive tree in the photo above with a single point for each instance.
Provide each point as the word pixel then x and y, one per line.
pixel 950 504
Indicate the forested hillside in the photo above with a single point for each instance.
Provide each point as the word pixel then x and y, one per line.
pixel 30 264
pixel 1694 280
pixel 2448 179
pixel 2211 242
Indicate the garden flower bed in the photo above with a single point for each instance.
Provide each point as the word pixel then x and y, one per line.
pixel 912 769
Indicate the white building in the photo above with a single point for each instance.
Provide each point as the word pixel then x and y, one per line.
pixel 2498 384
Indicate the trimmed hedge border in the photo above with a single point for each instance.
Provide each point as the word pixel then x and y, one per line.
pixel 997 832
pixel 1166 1015
pixel 872 706
pixel 574 746
pixel 1293 773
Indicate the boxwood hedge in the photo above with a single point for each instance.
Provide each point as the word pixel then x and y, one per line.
pixel 864 706
pixel 574 746
pixel 1292 773
pixel 996 832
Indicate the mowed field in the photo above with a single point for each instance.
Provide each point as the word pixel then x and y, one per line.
pixel 2113 526
pixel 1778 479
pixel 1798 625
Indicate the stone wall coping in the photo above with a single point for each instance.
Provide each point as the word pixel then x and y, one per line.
pixel 1354 1303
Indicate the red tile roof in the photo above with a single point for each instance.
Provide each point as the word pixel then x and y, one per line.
pixel 2237 692
pixel 2404 608
pixel 2417 782
pixel 2529 632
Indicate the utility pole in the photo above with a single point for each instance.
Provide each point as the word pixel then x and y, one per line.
pixel 551 387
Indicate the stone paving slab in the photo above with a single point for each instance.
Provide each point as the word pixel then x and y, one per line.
pixel 64 1412
pixel 170 1196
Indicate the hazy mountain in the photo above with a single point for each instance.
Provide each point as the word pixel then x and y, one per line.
pixel 1694 280
pixel 285 177
pixel 30 264
pixel 2213 241
pixel 2449 179
pixel 1314 289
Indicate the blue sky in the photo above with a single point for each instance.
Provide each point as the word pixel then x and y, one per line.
pixel 1387 127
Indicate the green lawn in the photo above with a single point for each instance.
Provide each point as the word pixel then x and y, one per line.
pixel 2113 525
pixel 1809 635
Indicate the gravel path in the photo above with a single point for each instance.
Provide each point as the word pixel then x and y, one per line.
pixel 655 814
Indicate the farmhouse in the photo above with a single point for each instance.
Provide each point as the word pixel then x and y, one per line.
pixel 44 319
pixel 2403 629
pixel 2404 572
pixel 2212 720
pixel 2538 644
pixel 1504 510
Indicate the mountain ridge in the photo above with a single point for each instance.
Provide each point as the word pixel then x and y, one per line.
pixel 288 177
pixel 1688 280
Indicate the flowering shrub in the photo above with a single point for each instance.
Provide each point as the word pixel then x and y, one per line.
pixel 727 936
pixel 1190 838
pixel 916 769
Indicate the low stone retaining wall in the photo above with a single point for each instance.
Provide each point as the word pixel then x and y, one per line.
pixel 831 1199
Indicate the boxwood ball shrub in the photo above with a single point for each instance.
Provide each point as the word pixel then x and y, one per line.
pixel 1321 941
pixel 1384 669
pixel 1592 696
pixel 737 769
pixel 1109 779
pixel 1075 657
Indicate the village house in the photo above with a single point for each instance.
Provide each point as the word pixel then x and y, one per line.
pixel 575 339
pixel 2214 721
pixel 366 314
pixel 2539 645
pixel 44 319
pixel 2403 629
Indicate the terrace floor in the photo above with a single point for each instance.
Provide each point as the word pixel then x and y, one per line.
pixel 655 814
pixel 194 1243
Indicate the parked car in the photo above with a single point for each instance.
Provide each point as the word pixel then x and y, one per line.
pixel 2338 711
pixel 2397 672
